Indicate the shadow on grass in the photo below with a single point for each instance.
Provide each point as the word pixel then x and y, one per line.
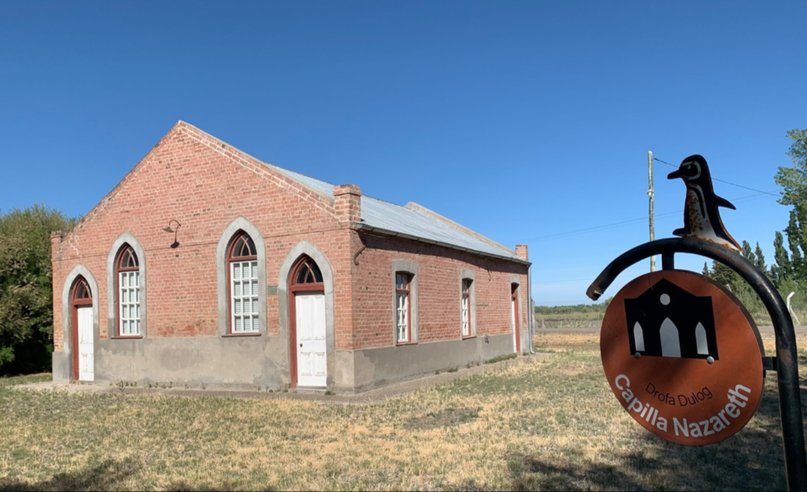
pixel 752 459
pixel 106 475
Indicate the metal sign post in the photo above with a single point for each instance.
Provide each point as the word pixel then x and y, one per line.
pixel 705 235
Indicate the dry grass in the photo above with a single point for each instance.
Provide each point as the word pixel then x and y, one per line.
pixel 546 423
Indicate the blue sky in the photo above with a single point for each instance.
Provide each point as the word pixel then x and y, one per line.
pixel 527 121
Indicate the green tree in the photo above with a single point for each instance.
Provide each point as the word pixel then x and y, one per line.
pixel 794 232
pixel 747 253
pixel 26 309
pixel 726 276
pixel 793 181
pixel 759 259
pixel 781 270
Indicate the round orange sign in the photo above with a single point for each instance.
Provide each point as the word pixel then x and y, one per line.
pixel 682 356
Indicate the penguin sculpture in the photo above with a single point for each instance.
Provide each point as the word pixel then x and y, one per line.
pixel 701 216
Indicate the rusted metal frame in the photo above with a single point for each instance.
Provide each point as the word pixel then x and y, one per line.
pixel 786 361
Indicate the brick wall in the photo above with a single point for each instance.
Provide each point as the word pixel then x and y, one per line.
pixel 438 290
pixel 204 184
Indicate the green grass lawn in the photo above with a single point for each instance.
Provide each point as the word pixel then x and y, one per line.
pixel 546 423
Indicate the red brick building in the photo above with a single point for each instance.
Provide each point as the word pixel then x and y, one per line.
pixel 207 267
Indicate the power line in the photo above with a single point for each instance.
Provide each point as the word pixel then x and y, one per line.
pixel 724 181
pixel 613 225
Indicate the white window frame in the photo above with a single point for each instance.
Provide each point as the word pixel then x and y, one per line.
pixel 465 307
pixel 224 281
pixel 241 298
pixel 129 303
pixel 403 308
pixel 114 281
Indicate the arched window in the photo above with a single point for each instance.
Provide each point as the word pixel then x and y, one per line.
pixel 127 274
pixel 403 308
pixel 243 284
pixel 306 272
pixel 465 307
pixel 82 295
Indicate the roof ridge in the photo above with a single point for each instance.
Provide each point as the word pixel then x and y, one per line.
pixel 410 220
pixel 232 152
pixel 104 201
pixel 416 207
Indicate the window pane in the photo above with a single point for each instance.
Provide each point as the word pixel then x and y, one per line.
pixel 244 294
pixel 250 246
pixel 402 317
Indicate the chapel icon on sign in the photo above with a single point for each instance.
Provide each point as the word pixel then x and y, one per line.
pixel 668 321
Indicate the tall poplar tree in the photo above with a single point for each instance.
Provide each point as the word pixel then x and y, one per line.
pixel 793 181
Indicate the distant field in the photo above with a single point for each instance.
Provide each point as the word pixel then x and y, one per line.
pixel 582 320
pixel 568 321
pixel 548 422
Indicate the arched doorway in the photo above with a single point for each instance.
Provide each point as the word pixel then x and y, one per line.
pixel 515 316
pixel 82 333
pixel 307 334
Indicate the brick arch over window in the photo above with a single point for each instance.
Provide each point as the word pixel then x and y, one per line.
pixel 80 271
pixel 306 249
pixel 238 239
pixel 118 253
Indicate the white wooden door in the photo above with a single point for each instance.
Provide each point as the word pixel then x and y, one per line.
pixel 311 348
pixel 514 323
pixel 86 370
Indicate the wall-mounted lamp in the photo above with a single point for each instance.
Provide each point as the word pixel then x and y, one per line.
pixel 174 229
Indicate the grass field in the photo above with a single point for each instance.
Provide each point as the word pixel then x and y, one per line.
pixel 546 422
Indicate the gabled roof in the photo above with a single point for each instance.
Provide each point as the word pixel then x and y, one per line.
pixel 411 221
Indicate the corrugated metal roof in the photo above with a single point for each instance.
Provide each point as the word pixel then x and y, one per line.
pixel 384 217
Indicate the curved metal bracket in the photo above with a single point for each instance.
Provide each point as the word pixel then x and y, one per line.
pixel 786 354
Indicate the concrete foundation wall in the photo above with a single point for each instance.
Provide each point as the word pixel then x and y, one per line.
pixel 61 366
pixel 366 369
pixel 255 363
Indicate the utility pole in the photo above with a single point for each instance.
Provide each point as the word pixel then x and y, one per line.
pixel 650 194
